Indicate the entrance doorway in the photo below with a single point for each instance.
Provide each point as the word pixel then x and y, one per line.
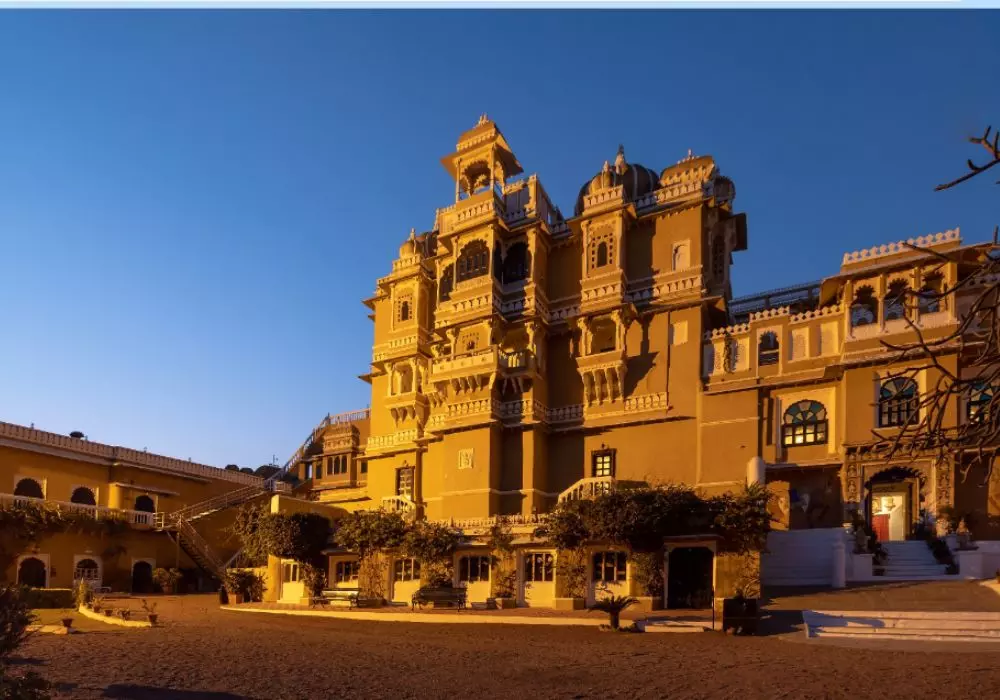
pixel 142 577
pixel 894 503
pixel 689 577
pixel 32 572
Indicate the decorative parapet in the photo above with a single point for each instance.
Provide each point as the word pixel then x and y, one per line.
pixel 407 262
pixel 672 193
pixel 646 402
pixel 560 229
pixel 610 196
pixel 383 351
pixel 132 517
pixel 658 287
pixel 472 409
pixel 486 358
pixel 823 311
pixel 929 241
pixel 523 409
pixel 126 455
pixel 727 331
pixel 481 525
pixel 470 211
pixel 768 314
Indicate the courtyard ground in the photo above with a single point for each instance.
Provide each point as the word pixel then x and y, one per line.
pixel 204 653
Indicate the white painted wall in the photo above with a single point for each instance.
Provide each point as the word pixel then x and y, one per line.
pixel 800 557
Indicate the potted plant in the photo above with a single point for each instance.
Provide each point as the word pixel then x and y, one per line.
pixel 614 606
pixel 108 612
pixel 124 613
pixel 150 610
pixel 741 612
pixel 67 622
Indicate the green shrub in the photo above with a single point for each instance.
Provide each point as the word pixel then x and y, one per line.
pixel 167 580
pixel 39 598
pixel 15 616
pixel 246 583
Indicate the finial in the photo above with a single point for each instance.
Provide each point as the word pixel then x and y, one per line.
pixel 482 119
pixel 413 233
pixel 606 168
pixel 620 163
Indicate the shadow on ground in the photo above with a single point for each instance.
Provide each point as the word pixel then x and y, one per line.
pixel 146 692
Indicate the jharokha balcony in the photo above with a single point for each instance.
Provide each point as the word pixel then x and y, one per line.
pixel 136 518
pixel 399 504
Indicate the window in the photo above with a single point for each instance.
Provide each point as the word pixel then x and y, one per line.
pixel 609 567
pixel 406 570
pixel 364 467
pixel 603 463
pixel 929 297
pixel 538 566
pixel 680 257
pixel 767 349
pixel 29 488
pixel 474 569
pixel 895 301
pixel 86 570
pixel 290 572
pixel 897 402
pixel 864 308
pixel 977 408
pixel 404 310
pixel 517 263
pixel 447 283
pixel 804 424
pixel 345 571
pixel 404 482
pixel 145 504
pixel 602 254
pixel 474 261
pixel 84 496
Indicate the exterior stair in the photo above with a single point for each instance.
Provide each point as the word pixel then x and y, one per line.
pixel 912 560
pixel 922 626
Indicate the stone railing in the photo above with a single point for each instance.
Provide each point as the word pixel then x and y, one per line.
pixel 587 488
pixel 133 517
pixel 516 521
pixel 523 409
pixel 663 286
pixel 126 455
pixel 476 407
pixel 398 504
pixel 408 261
pixel 823 311
pixel 646 402
pixel 515 359
pixel 381 442
pixel 929 241
pixel 487 357
pixel 480 206
pixel 565 414
pixel 383 350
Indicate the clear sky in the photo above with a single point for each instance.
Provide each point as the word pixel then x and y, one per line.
pixel 194 204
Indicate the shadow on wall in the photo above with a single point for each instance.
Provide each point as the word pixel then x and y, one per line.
pixel 145 692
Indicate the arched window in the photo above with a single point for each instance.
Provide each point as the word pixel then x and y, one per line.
pixel 404 311
pixel 977 408
pixel 767 349
pixel 447 283
pixel 473 261
pixel 895 301
pixel 864 308
pixel 86 570
pixel 897 402
pixel 517 263
pixel 83 495
pixel 680 257
pixel 804 423
pixel 29 488
pixel 602 254
pixel 929 297
pixel 145 504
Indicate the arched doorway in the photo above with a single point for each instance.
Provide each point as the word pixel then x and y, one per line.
pixel 83 496
pixel 142 577
pixel 32 572
pixel 145 504
pixel 87 570
pixel 893 500
pixel 29 488
pixel 689 577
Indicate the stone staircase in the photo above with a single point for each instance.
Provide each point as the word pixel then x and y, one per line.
pixel 922 626
pixel 912 560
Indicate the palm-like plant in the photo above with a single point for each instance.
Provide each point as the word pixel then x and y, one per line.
pixel 613 605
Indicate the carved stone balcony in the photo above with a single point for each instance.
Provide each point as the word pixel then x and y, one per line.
pixel 478 209
pixel 470 372
pixel 603 376
pixel 407 406
pixel 590 487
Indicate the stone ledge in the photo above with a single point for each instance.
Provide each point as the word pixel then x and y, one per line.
pixel 100 617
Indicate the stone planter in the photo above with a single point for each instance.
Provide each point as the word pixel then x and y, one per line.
pixel 506 603
pixel 569 603
pixel 67 622
pixel 235 598
pixel 740 615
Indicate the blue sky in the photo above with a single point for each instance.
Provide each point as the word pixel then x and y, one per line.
pixel 193 204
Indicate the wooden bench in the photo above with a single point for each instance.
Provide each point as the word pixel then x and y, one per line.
pixel 439 595
pixel 337 595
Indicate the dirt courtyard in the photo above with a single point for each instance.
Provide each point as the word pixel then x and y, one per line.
pixel 202 652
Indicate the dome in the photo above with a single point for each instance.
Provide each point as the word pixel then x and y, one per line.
pixel 409 246
pixel 635 179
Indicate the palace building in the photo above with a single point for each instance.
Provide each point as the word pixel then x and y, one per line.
pixel 522 357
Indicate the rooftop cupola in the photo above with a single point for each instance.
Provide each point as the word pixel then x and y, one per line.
pixel 482 160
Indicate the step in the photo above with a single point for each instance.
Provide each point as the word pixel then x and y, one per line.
pixel 675 626
pixel 941 626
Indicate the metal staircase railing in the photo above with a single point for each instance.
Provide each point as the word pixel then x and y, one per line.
pixel 328 420
pixel 198 549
